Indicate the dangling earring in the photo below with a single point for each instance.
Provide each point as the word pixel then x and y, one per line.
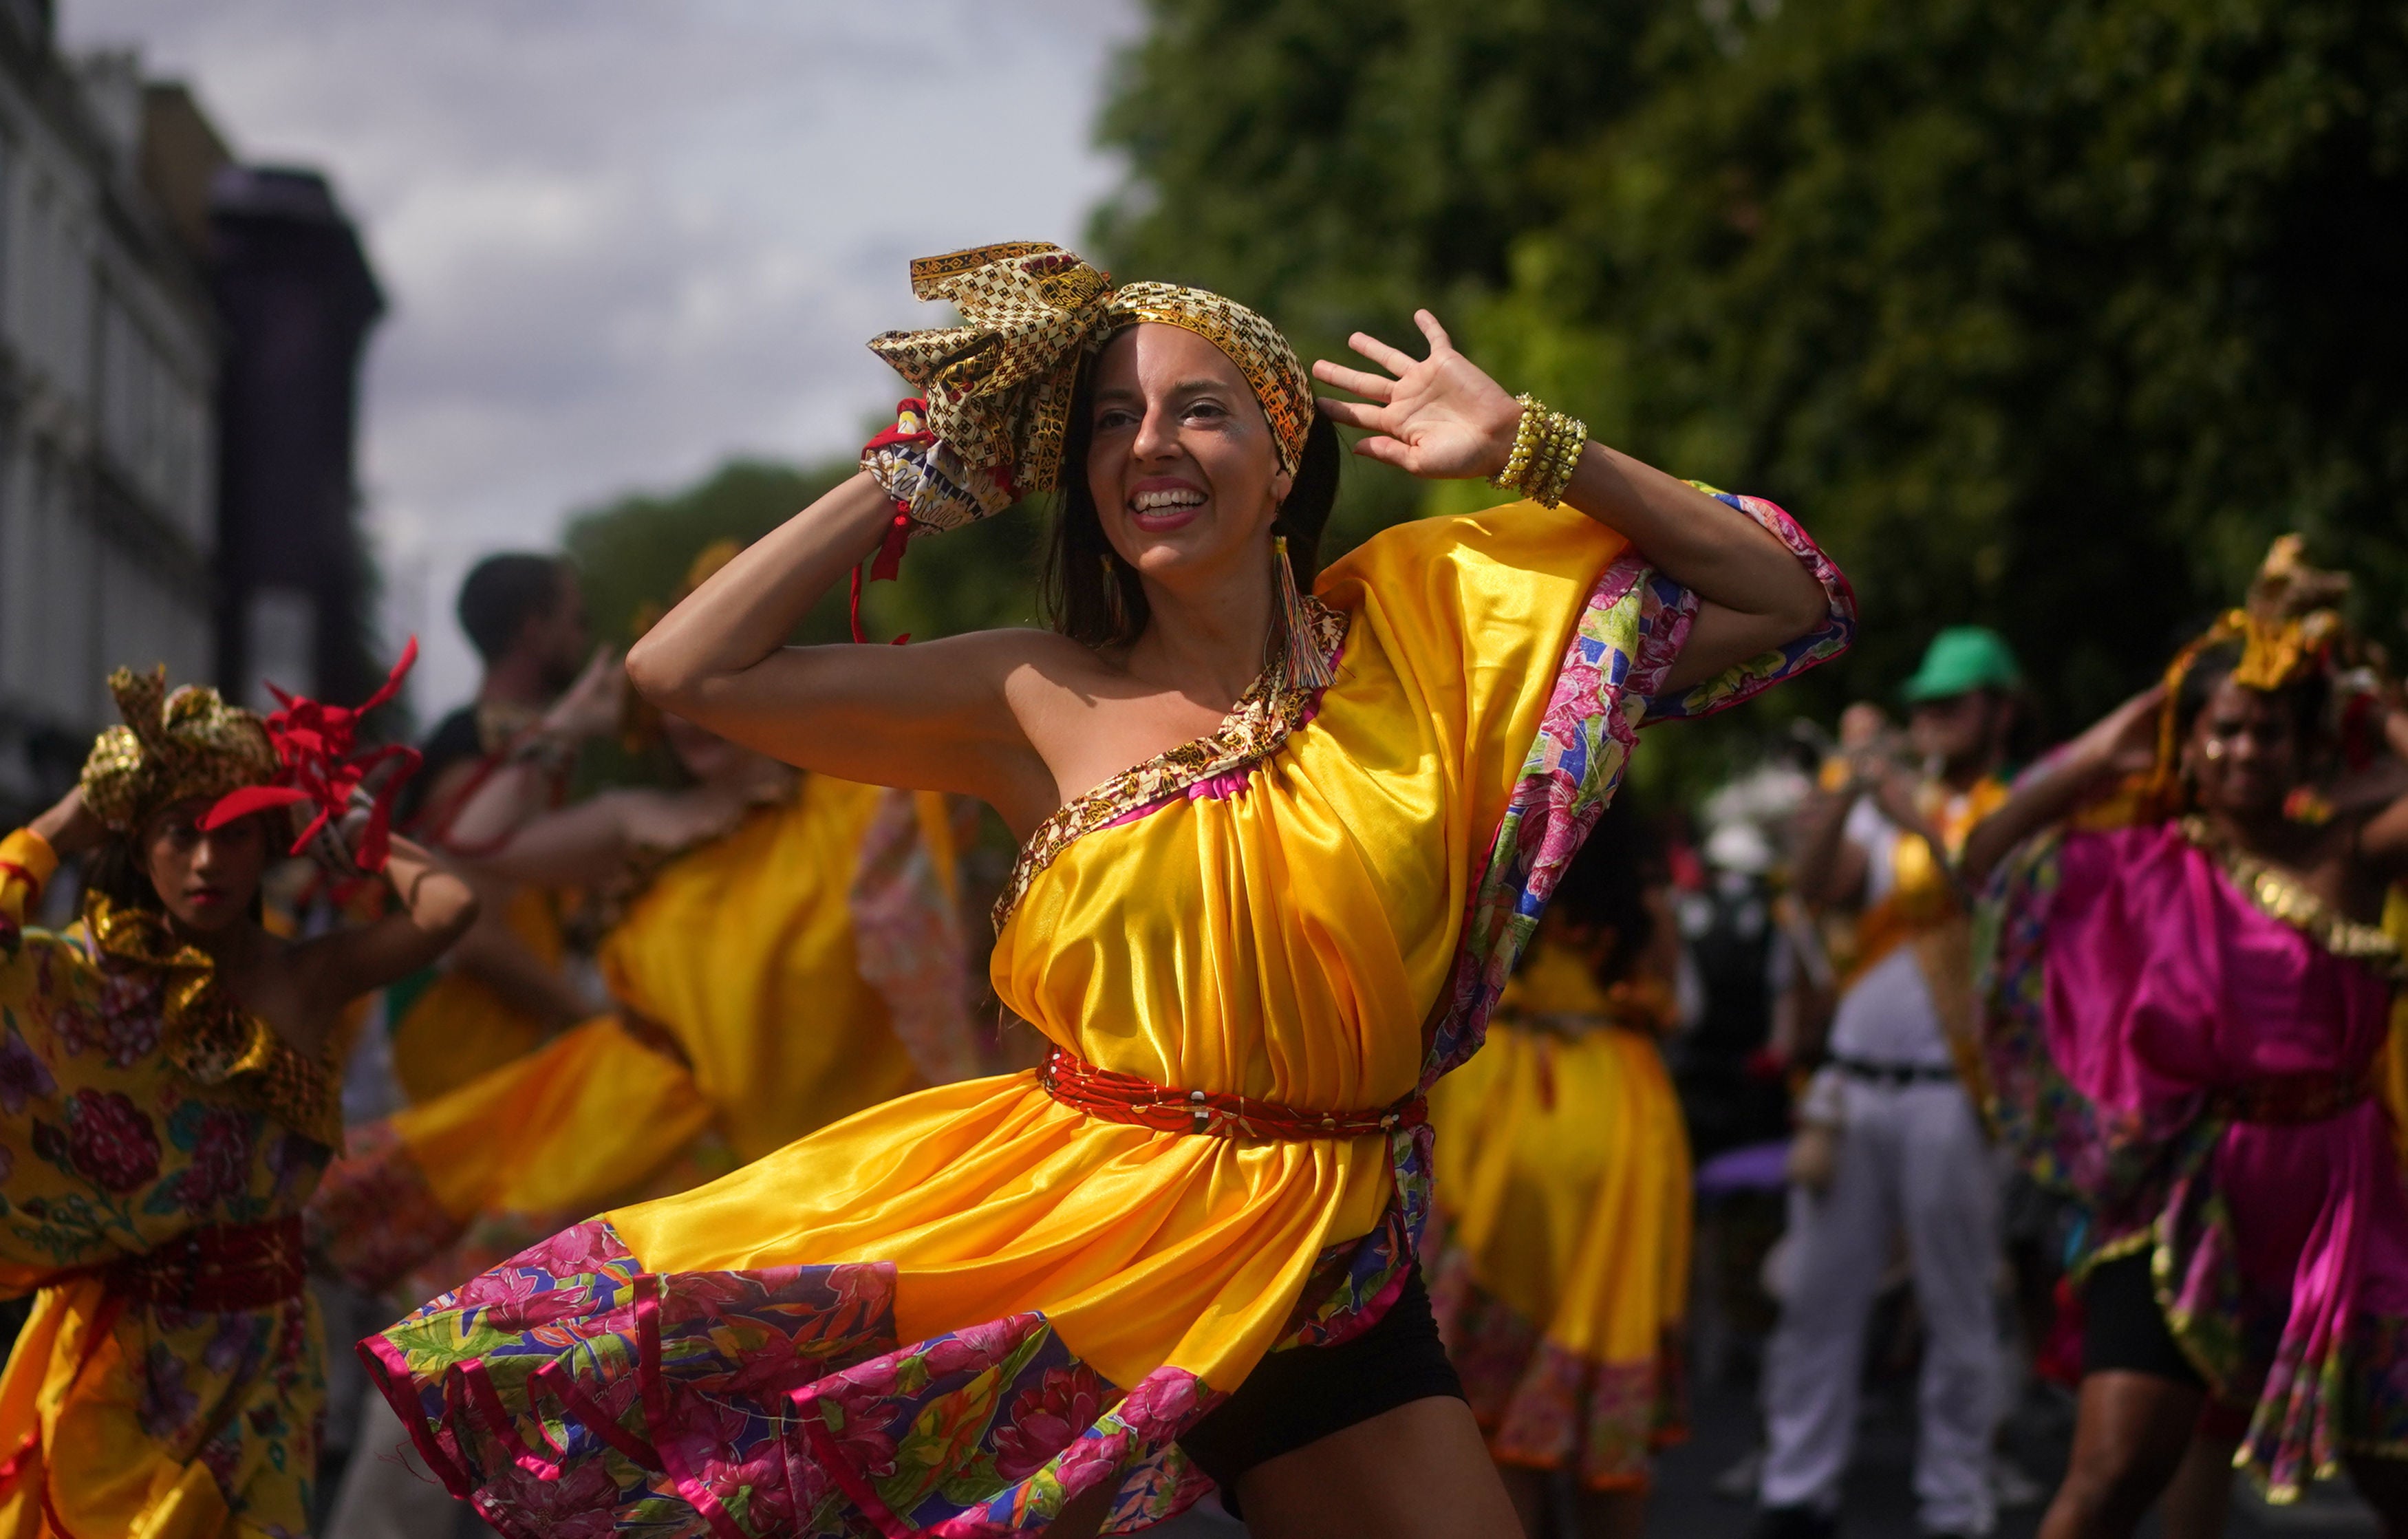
pixel 1304 666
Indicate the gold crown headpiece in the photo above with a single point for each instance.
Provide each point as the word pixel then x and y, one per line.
pixel 2289 627
pixel 172 745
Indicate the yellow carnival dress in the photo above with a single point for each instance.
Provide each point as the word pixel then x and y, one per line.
pixel 956 1312
pixel 801 966
pixel 156 1145
pixel 1559 1265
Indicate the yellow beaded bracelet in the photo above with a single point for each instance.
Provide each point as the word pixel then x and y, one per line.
pixel 1547 446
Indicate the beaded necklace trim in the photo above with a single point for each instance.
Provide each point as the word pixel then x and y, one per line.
pixel 1254 728
pixel 209 1038
pixel 2278 895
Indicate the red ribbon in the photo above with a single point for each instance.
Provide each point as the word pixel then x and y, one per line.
pixel 887 564
pixel 321 764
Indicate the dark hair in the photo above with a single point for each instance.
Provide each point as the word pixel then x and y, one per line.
pixel 1092 596
pixel 1606 885
pixel 502 593
pixel 2215 664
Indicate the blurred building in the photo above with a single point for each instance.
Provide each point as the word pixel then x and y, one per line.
pixel 181 338
pixel 108 363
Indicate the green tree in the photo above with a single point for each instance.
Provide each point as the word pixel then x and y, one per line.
pixel 636 550
pixel 2047 314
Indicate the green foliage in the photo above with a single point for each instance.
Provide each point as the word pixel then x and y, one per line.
pixel 2045 313
pixel 636 551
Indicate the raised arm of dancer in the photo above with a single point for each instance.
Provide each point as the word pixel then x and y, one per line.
pixel 522 787
pixel 2120 742
pixel 1441 417
pixel 437 909
pixel 936 716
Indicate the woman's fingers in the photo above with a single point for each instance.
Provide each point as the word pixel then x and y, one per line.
pixel 1354 414
pixel 1371 387
pixel 1386 451
pixel 1395 360
pixel 1431 329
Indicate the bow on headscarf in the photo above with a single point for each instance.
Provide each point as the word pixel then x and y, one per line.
pixel 320 764
pixel 997 388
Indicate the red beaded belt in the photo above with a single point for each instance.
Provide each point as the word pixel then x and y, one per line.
pixel 1142 1103
pixel 221 1268
pixel 2289 1098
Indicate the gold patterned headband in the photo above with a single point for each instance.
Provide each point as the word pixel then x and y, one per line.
pixel 172 746
pixel 998 386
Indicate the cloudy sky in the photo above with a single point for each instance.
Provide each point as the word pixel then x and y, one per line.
pixel 626 239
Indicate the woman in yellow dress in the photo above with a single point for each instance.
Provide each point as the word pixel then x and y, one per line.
pixel 787 951
pixel 169 1079
pixel 1055 1299
pixel 1560 1262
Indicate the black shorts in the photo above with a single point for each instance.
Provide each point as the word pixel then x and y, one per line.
pixel 1304 1394
pixel 2122 1328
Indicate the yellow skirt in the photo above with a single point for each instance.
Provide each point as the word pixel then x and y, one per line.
pixel 109 1407
pixel 440 1191
pixel 1559 1256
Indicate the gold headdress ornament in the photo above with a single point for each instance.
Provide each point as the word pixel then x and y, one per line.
pixel 2289 630
pixel 639 720
pixel 998 387
pixel 172 745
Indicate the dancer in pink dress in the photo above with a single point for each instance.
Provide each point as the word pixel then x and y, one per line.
pixel 2187 993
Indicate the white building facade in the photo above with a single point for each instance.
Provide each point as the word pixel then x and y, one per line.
pixel 108 360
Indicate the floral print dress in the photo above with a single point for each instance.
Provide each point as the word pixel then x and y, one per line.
pixel 156 1146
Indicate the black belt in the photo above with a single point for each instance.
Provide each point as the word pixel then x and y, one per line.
pixel 1898 1076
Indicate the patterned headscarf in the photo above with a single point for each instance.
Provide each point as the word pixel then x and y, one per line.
pixel 998 386
pixel 188 743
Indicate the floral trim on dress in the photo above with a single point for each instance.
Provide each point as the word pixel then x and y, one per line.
pixel 567 1391
pixel 1543 1406
pixel 1254 729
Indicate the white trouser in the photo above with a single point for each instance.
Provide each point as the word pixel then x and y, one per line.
pixel 1910 1156
pixel 388 1492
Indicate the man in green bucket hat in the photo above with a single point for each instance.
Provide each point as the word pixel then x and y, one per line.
pixel 1889 1139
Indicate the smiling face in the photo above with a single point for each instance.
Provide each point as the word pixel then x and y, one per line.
pixel 2243 752
pixel 1181 461
pixel 206 880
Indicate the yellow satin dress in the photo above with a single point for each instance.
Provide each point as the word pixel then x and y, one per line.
pixel 957 1311
pixel 1284 939
pixel 136 1107
pixel 767 982
pixel 1559 1269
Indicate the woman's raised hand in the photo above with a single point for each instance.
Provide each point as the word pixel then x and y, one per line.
pixel 69 827
pixel 2124 741
pixel 1438 417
